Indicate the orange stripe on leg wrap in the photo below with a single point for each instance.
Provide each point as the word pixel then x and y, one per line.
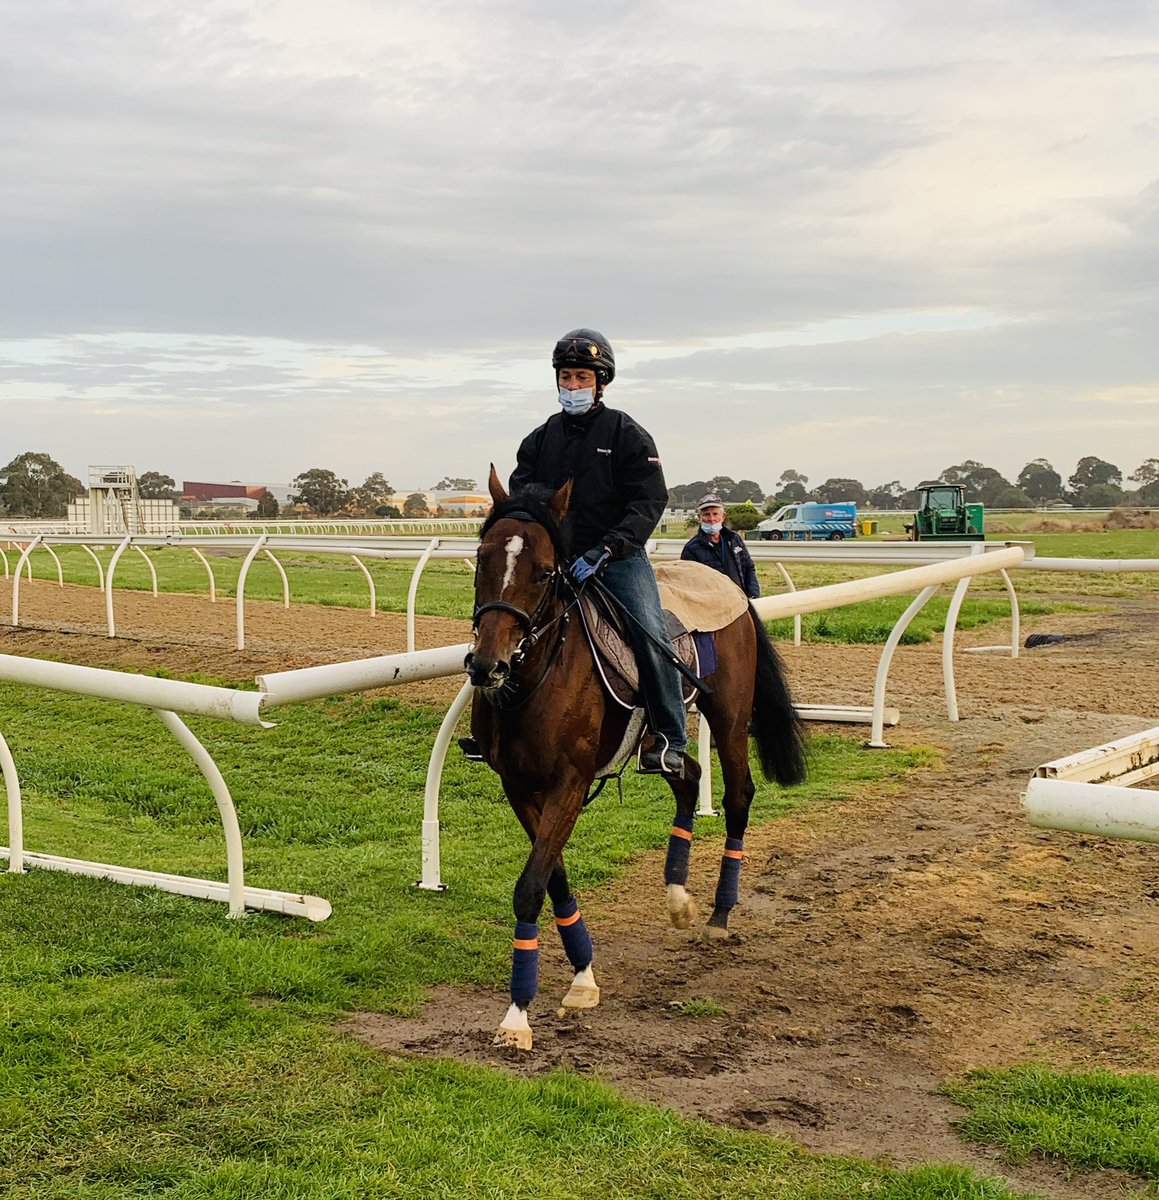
pixel 526 943
pixel 734 854
pixel 682 833
pixel 562 921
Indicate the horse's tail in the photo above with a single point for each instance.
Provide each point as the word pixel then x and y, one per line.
pixel 779 732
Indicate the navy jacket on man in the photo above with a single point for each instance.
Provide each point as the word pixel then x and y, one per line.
pixel 730 556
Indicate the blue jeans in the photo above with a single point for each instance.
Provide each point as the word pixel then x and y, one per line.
pixel 631 581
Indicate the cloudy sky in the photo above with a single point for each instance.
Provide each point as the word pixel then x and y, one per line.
pixel 851 237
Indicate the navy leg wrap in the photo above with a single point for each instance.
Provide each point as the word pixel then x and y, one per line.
pixel 525 964
pixel 679 846
pixel 577 942
pixel 728 886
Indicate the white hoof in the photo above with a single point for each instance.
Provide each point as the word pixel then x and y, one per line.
pixel 514 1030
pixel 583 992
pixel 714 933
pixel 682 910
pixel 516 1039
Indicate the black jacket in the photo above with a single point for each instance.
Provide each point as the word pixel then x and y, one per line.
pixel 730 555
pixel 619 492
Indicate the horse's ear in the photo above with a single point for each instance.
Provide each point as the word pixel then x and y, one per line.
pixel 498 492
pixel 560 500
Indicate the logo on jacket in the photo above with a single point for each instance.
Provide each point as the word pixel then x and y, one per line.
pixel 601 450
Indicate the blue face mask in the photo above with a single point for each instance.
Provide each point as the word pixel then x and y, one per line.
pixel 578 402
pixel 711 527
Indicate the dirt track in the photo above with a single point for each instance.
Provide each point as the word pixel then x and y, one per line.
pixel 881 946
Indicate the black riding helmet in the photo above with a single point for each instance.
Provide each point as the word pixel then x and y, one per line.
pixel 586 348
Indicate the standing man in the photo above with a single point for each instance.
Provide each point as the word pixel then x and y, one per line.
pixel 618 496
pixel 722 548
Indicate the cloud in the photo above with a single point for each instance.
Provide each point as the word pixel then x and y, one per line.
pixel 245 234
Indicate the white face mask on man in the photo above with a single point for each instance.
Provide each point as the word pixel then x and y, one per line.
pixel 578 402
pixel 711 526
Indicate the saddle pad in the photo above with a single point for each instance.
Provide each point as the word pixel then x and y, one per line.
pixel 615 661
pixel 703 599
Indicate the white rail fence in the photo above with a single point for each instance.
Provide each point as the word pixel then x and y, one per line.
pixel 448 548
pixel 424 550
pixel 1092 791
pixel 169 697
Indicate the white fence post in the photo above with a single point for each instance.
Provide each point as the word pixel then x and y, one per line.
pixel 15 815
pixel 20 565
pixel 209 571
pixel 152 569
pixel 235 863
pixel 431 880
pixel 876 737
pixel 704 757
pixel 241 577
pixel 369 584
pixel 413 592
pixel 109 620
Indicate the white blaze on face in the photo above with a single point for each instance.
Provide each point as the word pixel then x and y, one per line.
pixel 513 547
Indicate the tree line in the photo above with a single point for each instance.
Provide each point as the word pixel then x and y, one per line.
pixel 326 494
pixel 34 484
pixel 1094 483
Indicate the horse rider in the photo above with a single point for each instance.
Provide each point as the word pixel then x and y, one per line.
pixel 618 495
pixel 721 548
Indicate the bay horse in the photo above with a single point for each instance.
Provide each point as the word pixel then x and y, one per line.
pixel 544 724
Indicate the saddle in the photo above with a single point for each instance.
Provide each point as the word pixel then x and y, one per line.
pixel 615 660
pixel 697 601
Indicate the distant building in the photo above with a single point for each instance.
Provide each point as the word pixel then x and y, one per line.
pixel 459 502
pixel 198 494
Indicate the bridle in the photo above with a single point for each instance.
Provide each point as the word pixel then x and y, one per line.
pixel 531 623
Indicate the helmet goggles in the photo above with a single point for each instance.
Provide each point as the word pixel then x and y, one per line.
pixel 588 350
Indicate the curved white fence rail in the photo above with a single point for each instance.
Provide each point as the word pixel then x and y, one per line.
pixel 166 697
pixel 451 547
pixel 278 688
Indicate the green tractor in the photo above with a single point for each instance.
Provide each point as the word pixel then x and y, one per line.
pixel 944 516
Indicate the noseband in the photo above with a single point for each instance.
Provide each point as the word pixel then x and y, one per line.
pixel 527 621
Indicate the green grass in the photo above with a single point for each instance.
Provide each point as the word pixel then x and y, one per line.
pixel 698 1006
pixel 151 1046
pixel 873 620
pixel 145 1092
pixel 1092 1120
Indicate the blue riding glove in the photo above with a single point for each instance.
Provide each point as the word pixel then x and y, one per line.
pixel 590 563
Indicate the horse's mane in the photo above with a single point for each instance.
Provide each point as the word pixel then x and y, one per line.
pixel 534 502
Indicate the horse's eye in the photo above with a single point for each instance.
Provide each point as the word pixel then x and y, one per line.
pixel 543 575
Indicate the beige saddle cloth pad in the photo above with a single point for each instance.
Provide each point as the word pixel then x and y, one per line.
pixel 701 598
